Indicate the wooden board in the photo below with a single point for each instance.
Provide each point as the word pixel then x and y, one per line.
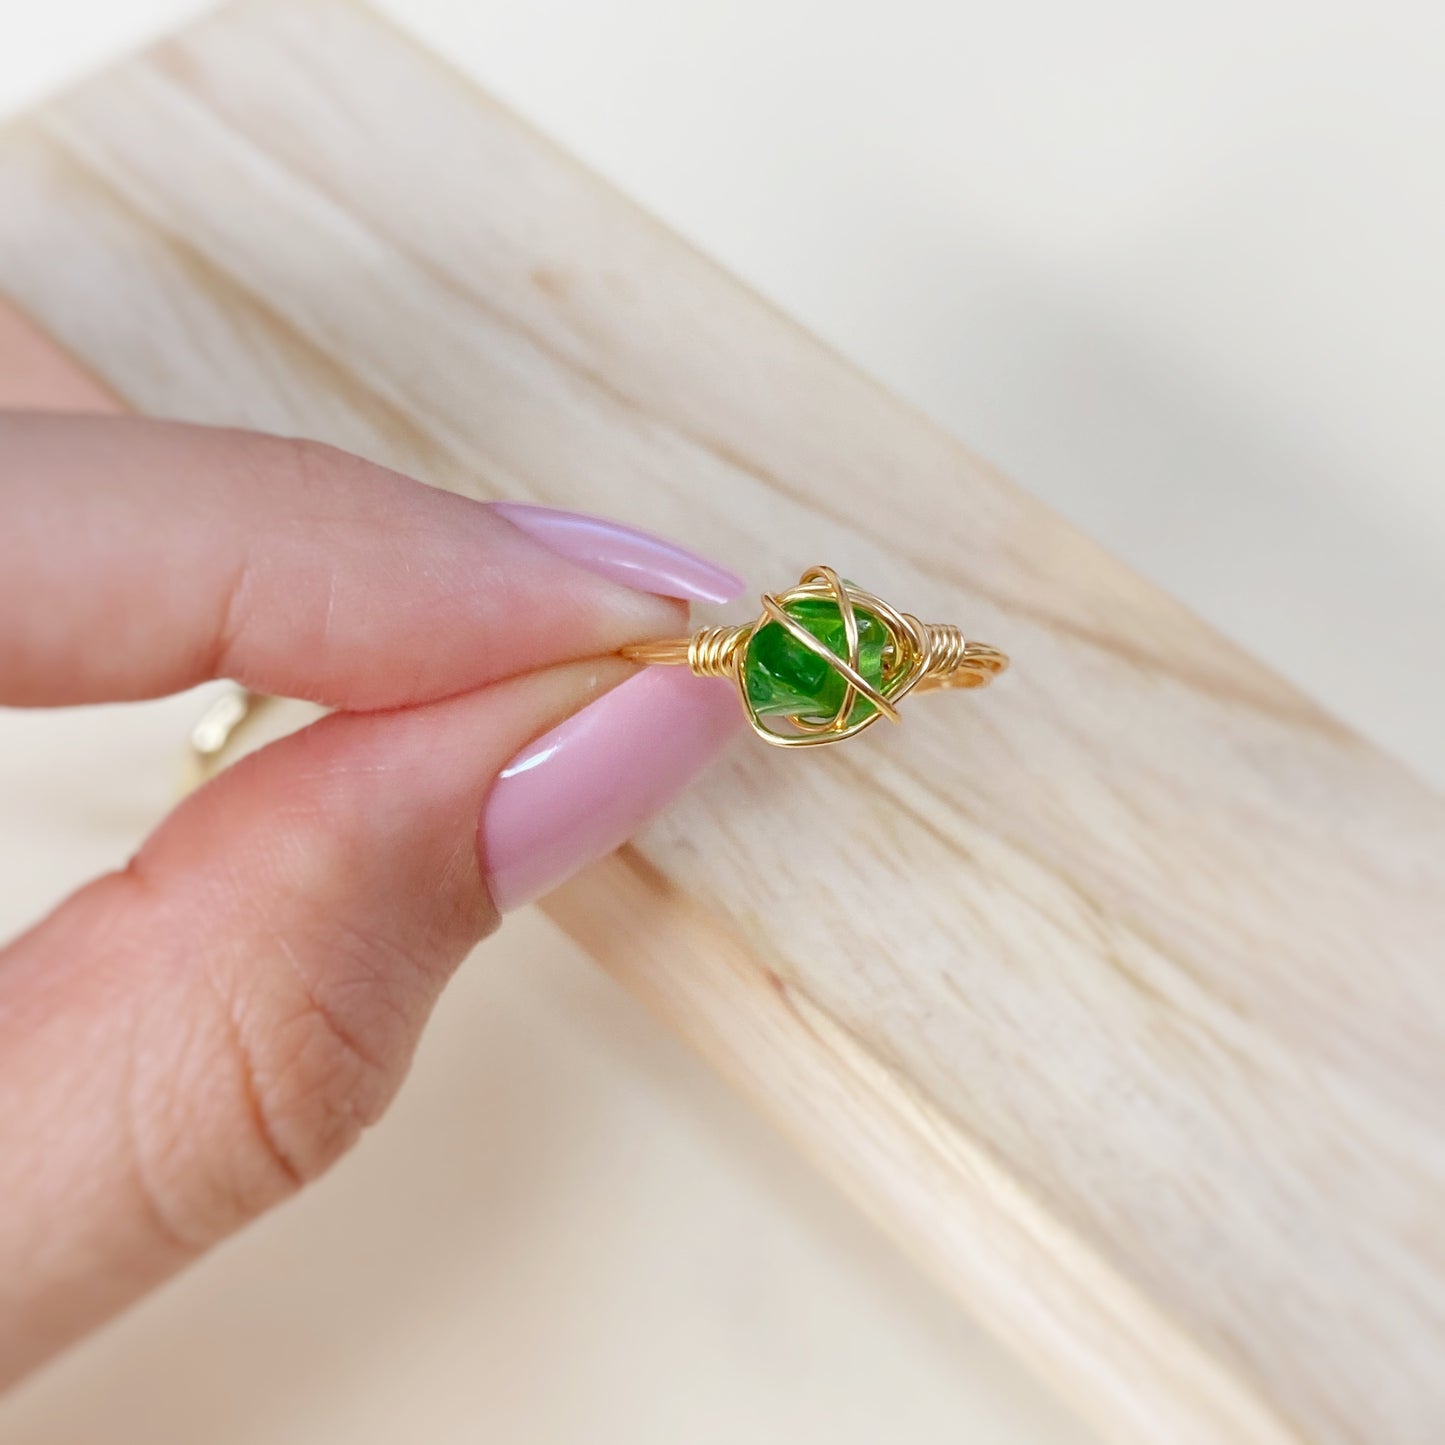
pixel 1116 992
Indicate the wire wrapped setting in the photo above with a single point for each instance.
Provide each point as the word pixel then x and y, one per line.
pixel 917 655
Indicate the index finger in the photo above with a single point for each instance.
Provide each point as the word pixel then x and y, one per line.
pixel 140 557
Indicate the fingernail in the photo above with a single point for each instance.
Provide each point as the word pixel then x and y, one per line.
pixel 587 786
pixel 623 554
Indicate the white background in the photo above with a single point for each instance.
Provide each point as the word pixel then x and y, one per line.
pixel 1179 268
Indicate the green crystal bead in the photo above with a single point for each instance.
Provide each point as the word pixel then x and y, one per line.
pixel 783 678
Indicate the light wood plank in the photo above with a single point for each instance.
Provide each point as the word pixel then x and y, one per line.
pixel 1115 992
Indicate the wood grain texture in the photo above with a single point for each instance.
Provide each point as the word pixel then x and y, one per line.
pixel 1116 992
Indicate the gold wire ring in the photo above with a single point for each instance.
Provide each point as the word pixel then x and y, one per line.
pixel 905 655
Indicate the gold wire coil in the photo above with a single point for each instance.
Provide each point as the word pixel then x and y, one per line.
pixel 918 656
pixel 714 651
pixel 954 661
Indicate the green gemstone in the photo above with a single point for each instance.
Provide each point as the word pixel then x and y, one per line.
pixel 783 678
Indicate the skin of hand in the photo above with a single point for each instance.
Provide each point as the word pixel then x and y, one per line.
pixel 188 1040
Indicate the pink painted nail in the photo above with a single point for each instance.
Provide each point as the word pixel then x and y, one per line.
pixel 636 559
pixel 584 788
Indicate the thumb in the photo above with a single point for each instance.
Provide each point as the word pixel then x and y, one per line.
pixel 184 1043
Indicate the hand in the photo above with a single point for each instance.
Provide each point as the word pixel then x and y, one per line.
pixel 187 1041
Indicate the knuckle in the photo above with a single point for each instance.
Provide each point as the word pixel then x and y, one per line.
pixel 324 1069
pixel 267 1086
pixel 313 463
pixel 322 480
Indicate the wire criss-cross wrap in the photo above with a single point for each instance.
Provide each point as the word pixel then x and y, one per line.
pixel 917 655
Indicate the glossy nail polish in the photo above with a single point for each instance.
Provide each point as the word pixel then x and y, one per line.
pixel 624 554
pixel 584 788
